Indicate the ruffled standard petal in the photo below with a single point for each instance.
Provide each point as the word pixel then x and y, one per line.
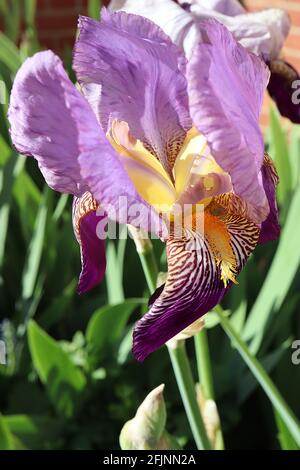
pixel 42 120
pixel 226 87
pixel 226 7
pixel 136 66
pixel 200 271
pixel 92 247
pixel 175 21
pixel 270 228
pixel 262 32
pixel 284 88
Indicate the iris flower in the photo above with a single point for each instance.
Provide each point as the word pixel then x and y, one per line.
pixel 148 128
pixel 262 33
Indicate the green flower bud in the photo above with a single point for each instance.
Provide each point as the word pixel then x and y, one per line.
pixel 145 430
pixel 210 415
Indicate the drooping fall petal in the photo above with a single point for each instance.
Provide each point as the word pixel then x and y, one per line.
pixel 43 123
pixel 54 123
pixel 270 228
pixel 284 88
pixel 201 267
pixel 92 247
pixel 135 66
pixel 226 87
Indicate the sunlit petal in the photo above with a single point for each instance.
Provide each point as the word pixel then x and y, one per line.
pixel 136 67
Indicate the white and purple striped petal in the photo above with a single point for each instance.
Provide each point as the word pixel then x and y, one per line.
pixel 197 265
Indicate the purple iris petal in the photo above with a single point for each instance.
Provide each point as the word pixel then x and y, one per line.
pixel 226 88
pixel 53 122
pixel 226 7
pixel 262 32
pixel 283 91
pixel 136 65
pixel 163 322
pixel 175 20
pixel 42 121
pixel 194 284
pixel 270 228
pixel 92 248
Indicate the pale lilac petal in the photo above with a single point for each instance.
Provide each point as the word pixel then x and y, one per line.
pixel 194 285
pixel 53 122
pixel 270 228
pixel 226 88
pixel 262 32
pixel 136 66
pixel 42 120
pixel 92 248
pixel 109 183
pixel 227 7
pixel 177 23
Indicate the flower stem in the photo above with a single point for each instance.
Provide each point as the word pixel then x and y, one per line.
pixel 150 268
pixel 178 354
pixel 186 387
pixel 205 375
pixel 262 377
pixel 204 364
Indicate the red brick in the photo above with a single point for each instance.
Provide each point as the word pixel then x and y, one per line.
pixel 56 23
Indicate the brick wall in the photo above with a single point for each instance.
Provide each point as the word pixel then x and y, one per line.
pixel 57 20
pixel 291 50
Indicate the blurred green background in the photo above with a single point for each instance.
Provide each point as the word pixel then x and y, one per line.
pixel 70 381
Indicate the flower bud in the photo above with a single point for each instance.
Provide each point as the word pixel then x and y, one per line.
pixel 145 430
pixel 210 415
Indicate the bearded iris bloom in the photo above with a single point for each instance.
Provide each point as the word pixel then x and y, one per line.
pixel 150 127
pixel 262 32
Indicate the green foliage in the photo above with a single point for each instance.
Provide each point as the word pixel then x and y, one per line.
pixel 107 325
pixel 70 381
pixel 64 381
pixel 6 438
pixel 94 7
pixel 280 153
